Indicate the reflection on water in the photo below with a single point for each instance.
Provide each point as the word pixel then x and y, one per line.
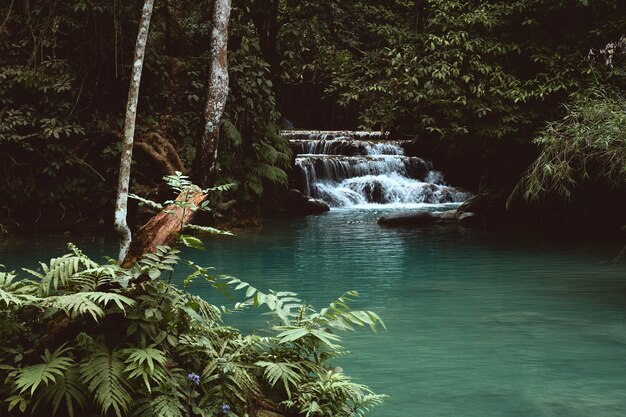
pixel 479 324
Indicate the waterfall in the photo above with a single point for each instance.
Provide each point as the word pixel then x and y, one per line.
pixel 363 169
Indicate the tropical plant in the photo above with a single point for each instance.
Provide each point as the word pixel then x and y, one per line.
pixel 588 143
pixel 79 338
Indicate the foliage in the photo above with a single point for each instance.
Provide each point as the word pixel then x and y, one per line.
pixel 78 338
pixel 64 80
pixel 57 75
pixel 485 69
pixel 589 142
pixel 470 72
pixel 253 145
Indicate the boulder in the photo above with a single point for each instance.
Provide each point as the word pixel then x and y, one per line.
pixel 469 218
pixel 315 206
pixel 417 168
pixel 418 218
pixel 294 202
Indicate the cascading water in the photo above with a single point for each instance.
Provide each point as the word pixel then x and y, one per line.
pixel 348 169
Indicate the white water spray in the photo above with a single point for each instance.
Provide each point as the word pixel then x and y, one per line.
pixel 346 171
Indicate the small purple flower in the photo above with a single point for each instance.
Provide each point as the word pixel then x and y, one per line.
pixel 225 408
pixel 195 378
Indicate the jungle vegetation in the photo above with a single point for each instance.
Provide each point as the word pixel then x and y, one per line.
pixel 78 338
pixel 521 100
pixel 482 85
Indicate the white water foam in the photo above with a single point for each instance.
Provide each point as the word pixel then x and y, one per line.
pixel 374 175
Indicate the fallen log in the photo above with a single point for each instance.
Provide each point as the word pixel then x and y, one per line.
pixel 165 227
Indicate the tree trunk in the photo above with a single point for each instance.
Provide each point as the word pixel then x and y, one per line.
pixel 420 14
pixel 264 15
pixel 164 228
pixel 121 203
pixel 206 149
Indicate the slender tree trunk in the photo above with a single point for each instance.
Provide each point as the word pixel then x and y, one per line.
pixel 264 14
pixel 420 14
pixel 163 228
pixel 121 203
pixel 206 149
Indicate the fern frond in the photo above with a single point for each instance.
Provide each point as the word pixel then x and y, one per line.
pixel 367 402
pixel 146 363
pixel 59 272
pixel 178 181
pixel 15 293
pixel 106 298
pixel 281 371
pixel 67 389
pixel 223 187
pixel 270 173
pixel 53 367
pixel 160 406
pixel 103 372
pixel 144 201
pixel 199 309
pixel 75 305
pixel 253 182
pixel 93 278
pixel 232 133
pixel 164 258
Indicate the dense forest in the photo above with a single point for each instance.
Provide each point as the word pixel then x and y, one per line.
pixel 486 89
pixel 521 103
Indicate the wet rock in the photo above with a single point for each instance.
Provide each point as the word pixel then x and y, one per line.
pixel 374 192
pixel 296 203
pixel 418 218
pixel 315 206
pixel 469 219
pixel 417 168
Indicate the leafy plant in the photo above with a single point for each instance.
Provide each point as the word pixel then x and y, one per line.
pixel 589 142
pixel 78 338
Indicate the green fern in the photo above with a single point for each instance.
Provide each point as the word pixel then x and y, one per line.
pixel 333 394
pixel 227 371
pixel 178 182
pixel 281 371
pixel 253 182
pixel 16 293
pixel 232 134
pixel 103 372
pixel 75 305
pixel 67 390
pixel 54 366
pixel 270 173
pixel 106 298
pixel 101 276
pixel 147 363
pixel 160 406
pixel 59 272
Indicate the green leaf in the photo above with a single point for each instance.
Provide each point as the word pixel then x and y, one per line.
pixel 103 372
pixel 53 367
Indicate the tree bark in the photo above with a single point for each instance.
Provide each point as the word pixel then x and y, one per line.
pixel 162 153
pixel 206 149
pixel 164 228
pixel 121 203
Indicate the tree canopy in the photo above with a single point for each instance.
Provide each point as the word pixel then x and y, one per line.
pixel 472 74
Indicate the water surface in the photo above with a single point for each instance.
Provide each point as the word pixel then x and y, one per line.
pixel 480 324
